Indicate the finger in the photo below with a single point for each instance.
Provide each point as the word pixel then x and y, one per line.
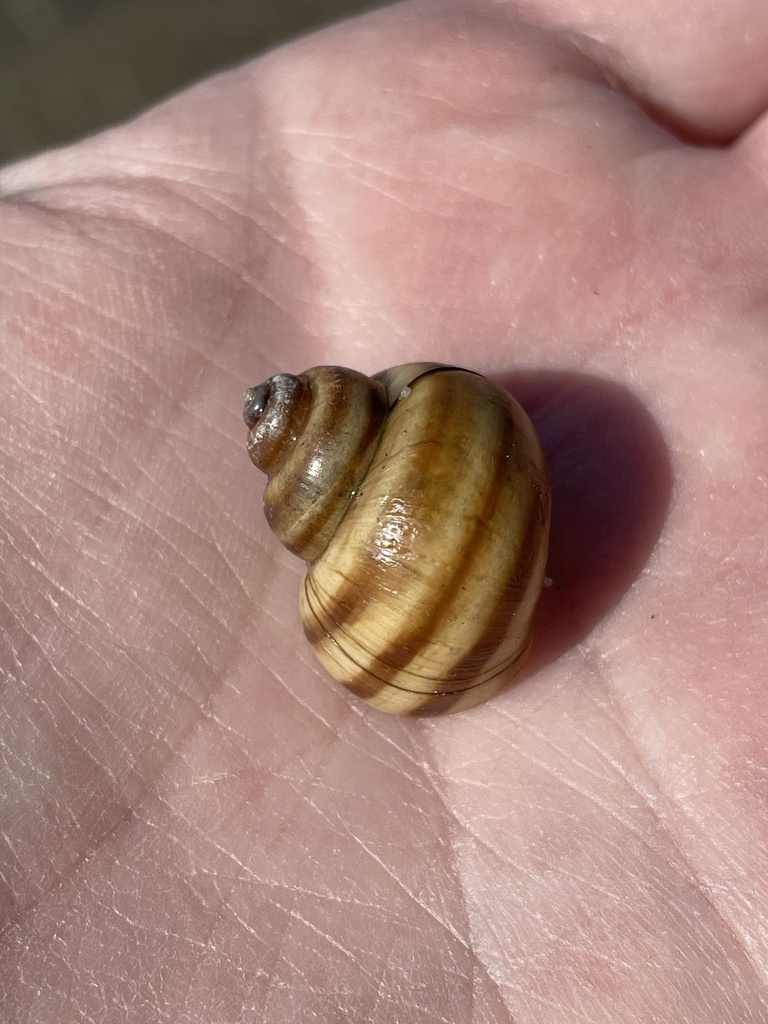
pixel 701 68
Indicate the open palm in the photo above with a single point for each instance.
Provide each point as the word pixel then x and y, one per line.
pixel 197 825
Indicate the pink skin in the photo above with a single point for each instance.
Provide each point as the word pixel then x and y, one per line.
pixel 197 825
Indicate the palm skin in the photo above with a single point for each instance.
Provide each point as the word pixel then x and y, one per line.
pixel 197 825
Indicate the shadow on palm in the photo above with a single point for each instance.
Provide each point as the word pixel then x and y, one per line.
pixel 611 486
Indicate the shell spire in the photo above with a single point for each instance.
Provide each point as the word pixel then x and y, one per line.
pixel 314 436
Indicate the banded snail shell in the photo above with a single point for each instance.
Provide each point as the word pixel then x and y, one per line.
pixel 419 498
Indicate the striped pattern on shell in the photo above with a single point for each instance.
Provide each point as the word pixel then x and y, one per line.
pixel 420 499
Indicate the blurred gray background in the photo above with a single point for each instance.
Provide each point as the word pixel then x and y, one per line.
pixel 68 67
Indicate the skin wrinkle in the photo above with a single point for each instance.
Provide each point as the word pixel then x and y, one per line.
pixel 462 190
pixel 304 705
pixel 79 220
pixel 696 883
pixel 106 248
pixel 394 197
pixel 140 927
pixel 60 675
pixel 206 543
pixel 296 916
pixel 411 776
pixel 24 499
pixel 126 509
pixel 98 620
pixel 316 894
pixel 83 724
pixel 445 925
pixel 604 805
pixel 611 960
pixel 655 806
pixel 11 924
pixel 60 292
pixel 227 911
pixel 45 407
pixel 238 918
pixel 479 968
pixel 97 843
pixel 383 866
pixel 741 941
pixel 401 750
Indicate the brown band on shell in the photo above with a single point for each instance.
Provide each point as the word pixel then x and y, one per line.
pixel 513 599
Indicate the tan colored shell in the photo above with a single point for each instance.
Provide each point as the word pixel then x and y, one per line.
pixel 420 499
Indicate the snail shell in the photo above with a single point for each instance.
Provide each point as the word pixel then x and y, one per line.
pixel 419 498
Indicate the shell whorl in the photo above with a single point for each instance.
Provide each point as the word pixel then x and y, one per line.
pixel 424 602
pixel 314 436
pixel 426 533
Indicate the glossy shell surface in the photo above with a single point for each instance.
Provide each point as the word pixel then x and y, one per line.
pixel 426 543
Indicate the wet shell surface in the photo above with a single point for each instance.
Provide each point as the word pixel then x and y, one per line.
pixel 419 499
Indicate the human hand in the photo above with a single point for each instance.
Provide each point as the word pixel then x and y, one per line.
pixel 198 826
